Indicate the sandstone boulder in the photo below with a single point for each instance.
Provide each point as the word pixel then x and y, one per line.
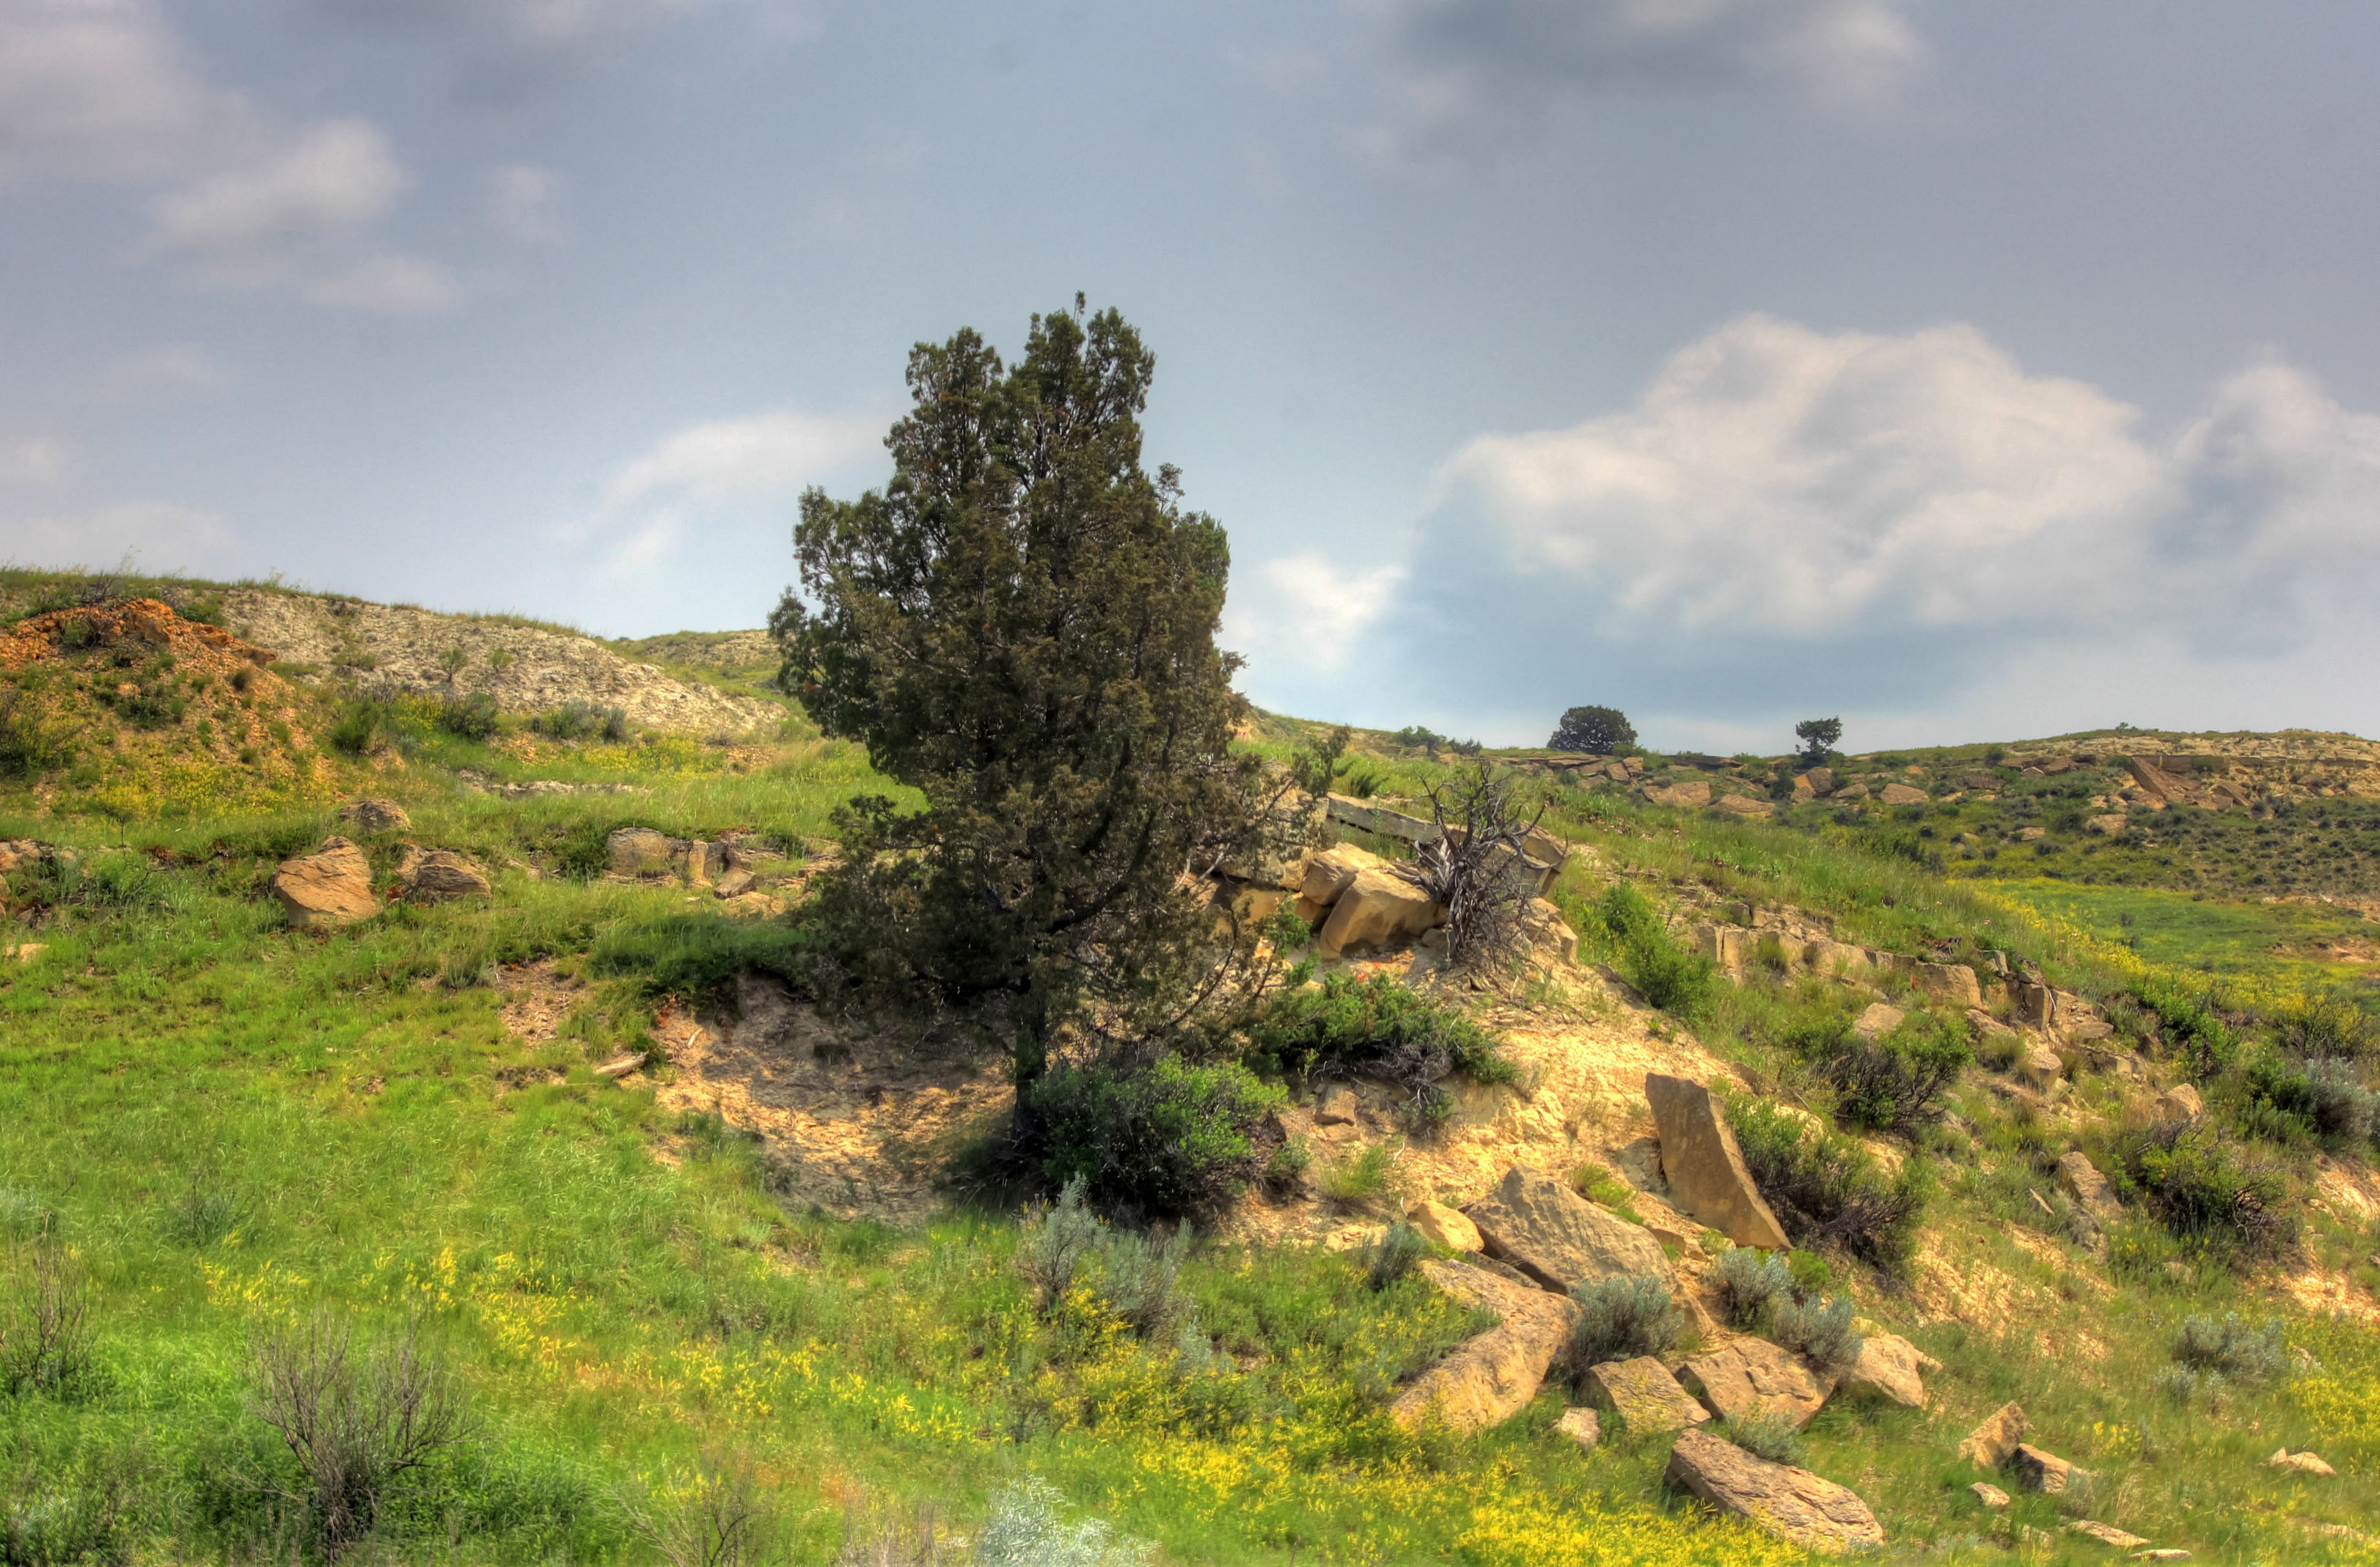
pixel 1744 805
pixel 1559 1238
pixel 1830 956
pixel 734 884
pixel 329 888
pixel 1953 982
pixel 2178 1105
pixel 2092 1192
pixel 1892 1368
pixel 2040 1470
pixel 2300 1463
pixel 1581 1425
pixel 431 875
pixel 1992 1443
pixel 1901 794
pixel 1793 1504
pixel 1376 908
pixel 1880 1019
pixel 2105 1534
pixel 2039 1065
pixel 1444 1226
pixel 1332 871
pixel 640 851
pixel 1645 1395
pixel 1694 793
pixel 18 854
pixel 1750 1377
pixel 368 817
pixel 2110 825
pixel 1705 1171
pixel 1335 1106
pixel 1550 931
pixel 1489 1377
pixel 1993 1499
pixel 1821 780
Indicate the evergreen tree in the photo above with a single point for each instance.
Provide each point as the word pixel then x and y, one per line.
pixel 1817 736
pixel 1595 728
pixel 1021 627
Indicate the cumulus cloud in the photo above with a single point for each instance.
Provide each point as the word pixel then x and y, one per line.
pixel 1308 612
pixel 36 461
pixel 101 90
pixel 721 471
pixel 1786 516
pixel 523 204
pixel 1469 73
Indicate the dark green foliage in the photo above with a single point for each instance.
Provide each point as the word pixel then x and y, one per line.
pixel 1896 1083
pixel 1821 1333
pixel 1162 1139
pixel 1619 1319
pixel 1827 1190
pixel 471 717
pixel 31 741
pixel 2206 1190
pixel 1021 626
pixel 1595 729
pixel 1751 1283
pixel 205 1212
pixel 2323 1098
pixel 1669 977
pixel 2229 1347
pixel 2191 1029
pixel 1392 1257
pixel 699 955
pixel 1345 1025
pixel 1314 766
pixel 1819 736
pixel 359 724
pixel 583 721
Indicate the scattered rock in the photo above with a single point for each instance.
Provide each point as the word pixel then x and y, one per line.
pixel 1334 870
pixel 1991 1444
pixel 640 851
pixel 2304 1463
pixel 368 817
pixel 2042 1471
pixel 1581 1425
pixel 1489 1377
pixel 734 884
pixel 1880 1019
pixel 1645 1396
pixel 1559 1238
pixel 1705 1169
pixel 1821 780
pixel 1441 1225
pixel 2030 834
pixel 2039 1065
pixel 20 853
pixel 1741 805
pixel 2105 1534
pixel 1993 1500
pixel 2162 1553
pixel 2110 825
pixel 1953 982
pixel 431 875
pixel 1903 795
pixel 1892 1368
pixel 1751 1377
pixel 25 951
pixel 2179 1104
pixel 1546 927
pixel 1694 793
pixel 2092 1192
pixel 329 888
pixel 1376 908
pixel 1793 1504
pixel 1335 1106
pixel 619 1066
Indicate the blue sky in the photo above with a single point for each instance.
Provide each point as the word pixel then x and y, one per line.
pixel 1969 370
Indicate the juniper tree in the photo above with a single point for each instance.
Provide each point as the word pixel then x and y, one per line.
pixel 1598 729
pixel 1021 627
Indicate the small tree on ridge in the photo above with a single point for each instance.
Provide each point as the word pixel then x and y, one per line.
pixel 1817 736
pixel 1597 729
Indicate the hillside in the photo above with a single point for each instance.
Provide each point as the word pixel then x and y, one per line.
pixel 540 1065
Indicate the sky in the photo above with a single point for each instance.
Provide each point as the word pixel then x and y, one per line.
pixel 1970 368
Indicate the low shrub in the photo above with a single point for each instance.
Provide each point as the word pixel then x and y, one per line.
pixel 2322 1029
pixel 2322 1097
pixel 1821 1333
pixel 1827 1190
pixel 1165 1139
pixel 203 1214
pixel 1392 1257
pixel 1619 1319
pixel 1028 1527
pixel 85 1511
pixel 469 718
pixel 2229 1347
pixel 583 721
pixel 1665 974
pixel 1355 1182
pixel 359 724
pixel 1751 1282
pixel 2188 1023
pixel 1057 1239
pixel 45 1327
pixel 1896 1083
pixel 2206 1191
pixel 1378 1025
pixel 1768 1435
pixel 23 1214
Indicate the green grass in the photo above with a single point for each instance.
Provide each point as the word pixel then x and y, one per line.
pixel 2213 935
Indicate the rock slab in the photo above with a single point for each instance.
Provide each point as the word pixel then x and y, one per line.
pixel 2105 1534
pixel 1581 1425
pixel 1752 1376
pixel 1705 1171
pixel 1995 1442
pixel 431 875
pixel 2043 1471
pixel 376 816
pixel 1489 1377
pixel 1793 1504
pixel 2302 1463
pixel 1444 1226
pixel 1559 1238
pixel 1892 1368
pixel 1993 1500
pixel 1379 908
pixel 326 888
pixel 2092 1192
pixel 1646 1397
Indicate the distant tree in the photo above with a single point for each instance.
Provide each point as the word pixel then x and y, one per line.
pixel 1021 627
pixel 1601 730
pixel 1817 736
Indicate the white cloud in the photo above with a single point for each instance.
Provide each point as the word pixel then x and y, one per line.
pixel 1466 74
pixel 170 370
pixel 100 90
pixel 37 461
pixel 523 204
pixel 1307 614
pixel 162 535
pixel 743 459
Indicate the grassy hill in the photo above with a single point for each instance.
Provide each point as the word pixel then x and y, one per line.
pixel 217 1131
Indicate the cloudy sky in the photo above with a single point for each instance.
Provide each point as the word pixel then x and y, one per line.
pixel 1972 370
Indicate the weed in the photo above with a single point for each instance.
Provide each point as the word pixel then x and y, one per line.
pixel 2203 1189
pixel 1822 1334
pixel 1392 1257
pixel 2229 1347
pixel 23 1214
pixel 1165 1139
pixel 1357 1181
pixel 1377 1025
pixel 1141 1278
pixel 45 1330
pixel 1896 1084
pixel 1029 1529
pixel 1058 1237
pixel 205 1212
pixel 471 717
pixel 698 956
pixel 1619 1319
pixel 1751 1282
pixel 712 1515
pixel 1829 1190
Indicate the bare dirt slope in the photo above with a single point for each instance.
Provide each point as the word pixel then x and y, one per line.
pixel 388 650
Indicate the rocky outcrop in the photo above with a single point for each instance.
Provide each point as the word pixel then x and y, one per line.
pixel 1793 1504
pixel 1441 1225
pixel 1995 1442
pixel 2105 1534
pixel 1751 1377
pixel 1332 871
pixel 642 853
pixel 1559 1238
pixel 1694 793
pixel 2178 1105
pixel 368 817
pixel 329 888
pixel 1489 1377
pixel 1993 1499
pixel 1880 1019
pixel 1901 794
pixel 431 875
pixel 2092 1192
pixel 1645 1396
pixel 1705 1169
pixel 2040 1470
pixel 1891 1368
pixel 1379 908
